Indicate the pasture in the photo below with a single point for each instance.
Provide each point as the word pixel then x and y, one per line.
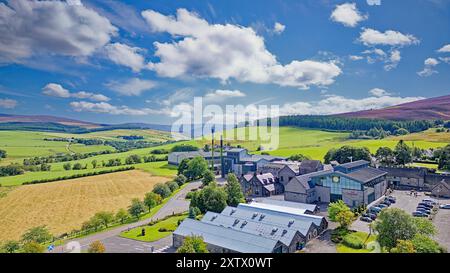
pixel 64 206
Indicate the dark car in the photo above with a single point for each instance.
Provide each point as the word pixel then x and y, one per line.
pixel 375 210
pixel 419 214
pixel 429 201
pixel 427 212
pixel 386 202
pixel 425 205
pixel 366 219
pixel 392 199
pixel 382 206
pixel 372 216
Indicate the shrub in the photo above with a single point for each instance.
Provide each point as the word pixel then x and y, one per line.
pixel 162 189
pixel 338 234
pixel 173 186
pixel 353 241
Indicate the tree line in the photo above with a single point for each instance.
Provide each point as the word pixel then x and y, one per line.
pixel 355 124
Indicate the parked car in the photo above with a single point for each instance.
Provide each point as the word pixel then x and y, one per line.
pixel 375 210
pixel 430 201
pixel 419 214
pixel 369 215
pixel 382 206
pixel 423 207
pixel 427 212
pixel 424 204
pixel 366 219
pixel 391 199
pixel 372 216
pixel 386 202
pixel 446 206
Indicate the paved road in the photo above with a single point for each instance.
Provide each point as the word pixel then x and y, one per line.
pixel 111 238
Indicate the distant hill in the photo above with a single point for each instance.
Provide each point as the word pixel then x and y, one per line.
pixel 427 109
pixel 59 124
pixel 47 119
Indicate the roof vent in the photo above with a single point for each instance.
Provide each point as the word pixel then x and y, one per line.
pixel 274 230
pixel 254 215
pixel 213 218
pixel 236 222
pixel 232 211
pixel 291 223
pixel 243 224
pixel 261 217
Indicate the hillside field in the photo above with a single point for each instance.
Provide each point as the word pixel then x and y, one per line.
pixel 64 206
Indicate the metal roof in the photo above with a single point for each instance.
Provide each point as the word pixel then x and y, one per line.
pixel 307 207
pixel 302 225
pixel 271 231
pixel 283 211
pixel 228 238
pixel 365 175
pixel 354 164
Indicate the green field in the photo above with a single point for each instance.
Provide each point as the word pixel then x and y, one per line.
pixel 152 232
pixel 25 144
pixel 312 143
pixel 316 143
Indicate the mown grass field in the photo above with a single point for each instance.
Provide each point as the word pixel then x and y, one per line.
pixel 316 143
pixel 152 232
pixel 25 144
pixel 341 248
pixel 65 205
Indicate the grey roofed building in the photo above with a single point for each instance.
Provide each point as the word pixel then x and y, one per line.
pixel 287 236
pixel 309 166
pixel 221 239
pixel 366 175
pixel 277 210
pixel 352 166
pixel 309 208
pixel 306 227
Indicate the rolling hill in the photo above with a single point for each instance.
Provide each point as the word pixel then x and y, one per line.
pixel 60 124
pixel 427 109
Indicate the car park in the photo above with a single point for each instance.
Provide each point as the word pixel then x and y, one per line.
pixel 446 206
pixel 366 219
pixel 419 214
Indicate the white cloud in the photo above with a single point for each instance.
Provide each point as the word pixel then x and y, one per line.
pixel 220 95
pixel 278 28
pixel 125 55
pixel 371 37
pixel 56 90
pixel 393 60
pixel 179 95
pixel 131 87
pixel 106 108
pixel 355 58
pixel 8 103
pixel 30 28
pixel 378 92
pixel 445 59
pixel 337 104
pixel 445 49
pixel 227 52
pixel 428 70
pixel 348 15
pixel 373 2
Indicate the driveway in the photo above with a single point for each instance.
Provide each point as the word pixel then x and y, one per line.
pixel 321 244
pixel 111 238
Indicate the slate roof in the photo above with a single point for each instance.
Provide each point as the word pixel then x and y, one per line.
pixel 228 238
pixel 264 179
pixel 282 211
pixel 354 164
pixel 271 231
pixel 307 207
pixel 302 225
pixel 310 164
pixel 365 175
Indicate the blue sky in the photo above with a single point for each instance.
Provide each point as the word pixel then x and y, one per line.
pixel 134 61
